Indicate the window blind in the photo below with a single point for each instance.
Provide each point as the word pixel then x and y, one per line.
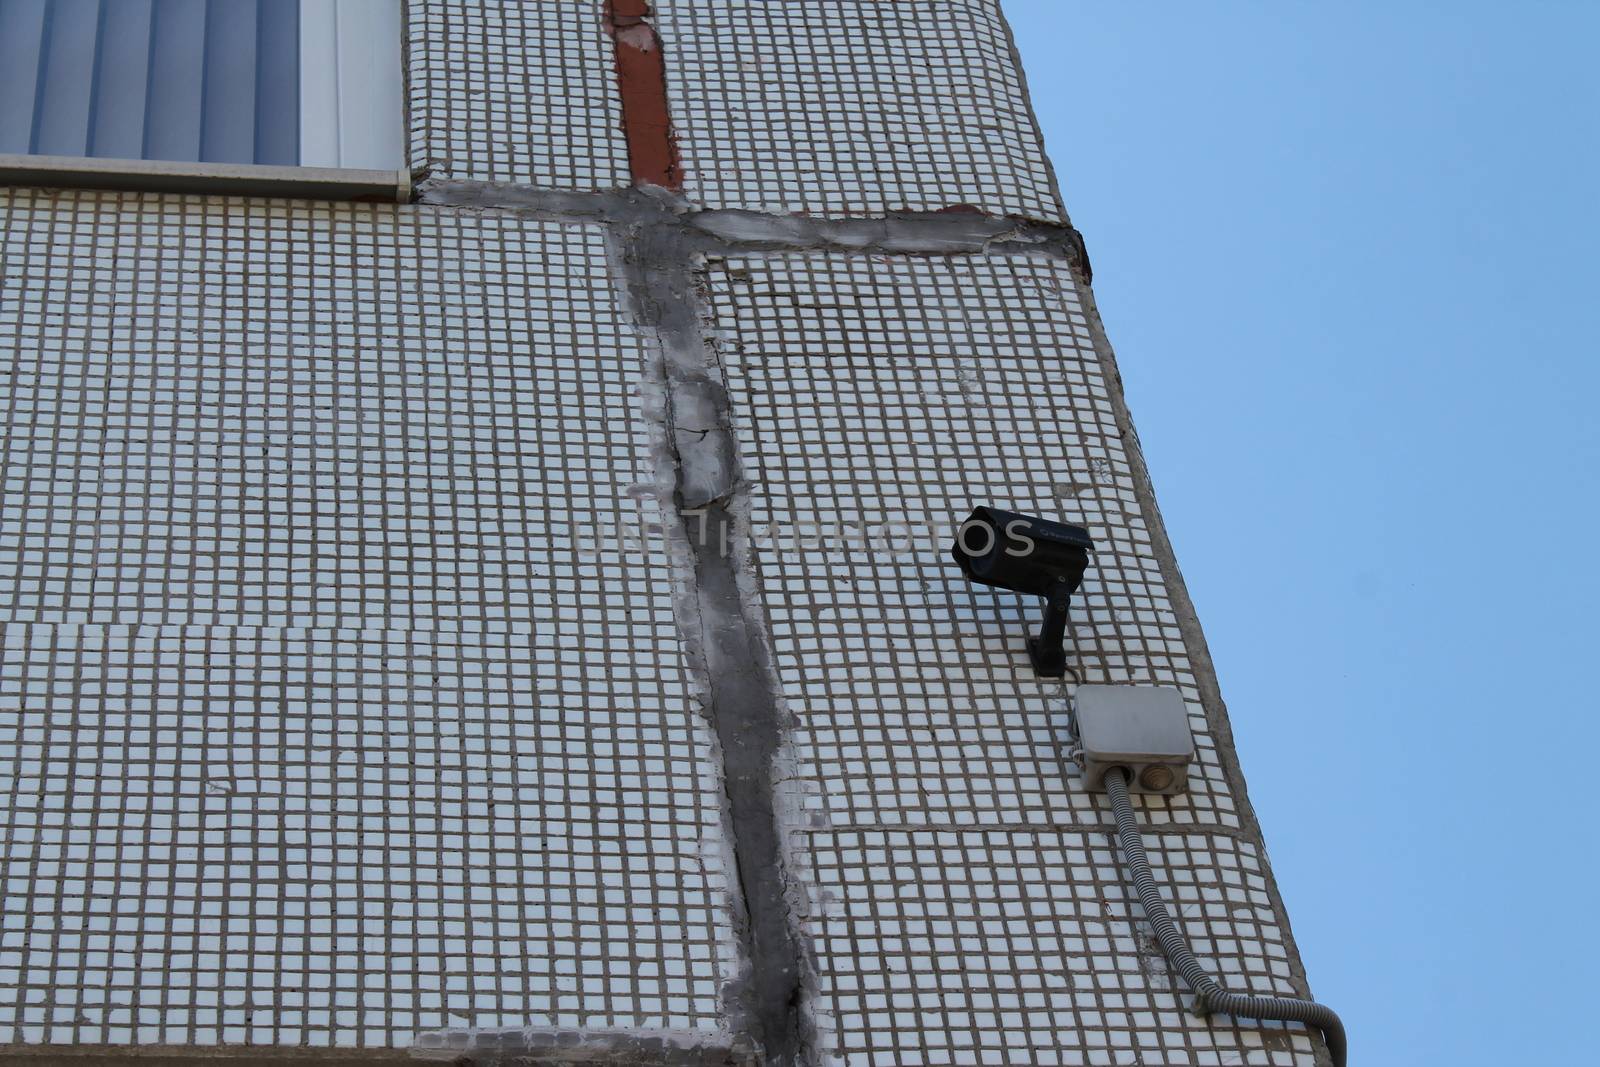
pixel 284 82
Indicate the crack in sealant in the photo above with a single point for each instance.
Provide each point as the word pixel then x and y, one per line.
pixel 732 231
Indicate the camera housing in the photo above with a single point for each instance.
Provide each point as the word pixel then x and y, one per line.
pixel 1027 554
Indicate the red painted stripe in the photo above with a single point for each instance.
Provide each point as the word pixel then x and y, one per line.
pixel 642 80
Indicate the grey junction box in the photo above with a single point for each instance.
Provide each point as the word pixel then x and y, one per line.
pixel 1144 728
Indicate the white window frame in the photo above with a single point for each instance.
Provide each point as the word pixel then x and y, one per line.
pixel 352 114
pixel 346 72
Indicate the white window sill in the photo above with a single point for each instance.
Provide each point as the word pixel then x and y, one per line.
pixel 154 175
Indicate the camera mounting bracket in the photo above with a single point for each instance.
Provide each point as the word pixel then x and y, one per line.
pixel 1048 650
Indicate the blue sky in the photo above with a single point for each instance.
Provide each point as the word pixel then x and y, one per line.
pixel 1344 252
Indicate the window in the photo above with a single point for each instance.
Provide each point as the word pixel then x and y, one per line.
pixel 300 83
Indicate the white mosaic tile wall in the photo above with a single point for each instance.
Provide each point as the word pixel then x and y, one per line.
pixel 1019 946
pixel 312 731
pixel 848 108
pixel 925 386
pixel 514 92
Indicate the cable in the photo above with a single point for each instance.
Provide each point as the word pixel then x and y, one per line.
pixel 1212 996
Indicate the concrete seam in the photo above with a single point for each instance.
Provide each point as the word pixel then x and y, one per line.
pixel 701 490
pixel 732 231
pixel 519 1046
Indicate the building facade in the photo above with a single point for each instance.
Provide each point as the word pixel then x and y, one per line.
pixel 508 615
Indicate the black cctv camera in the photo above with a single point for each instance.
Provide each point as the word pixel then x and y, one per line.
pixel 1033 556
